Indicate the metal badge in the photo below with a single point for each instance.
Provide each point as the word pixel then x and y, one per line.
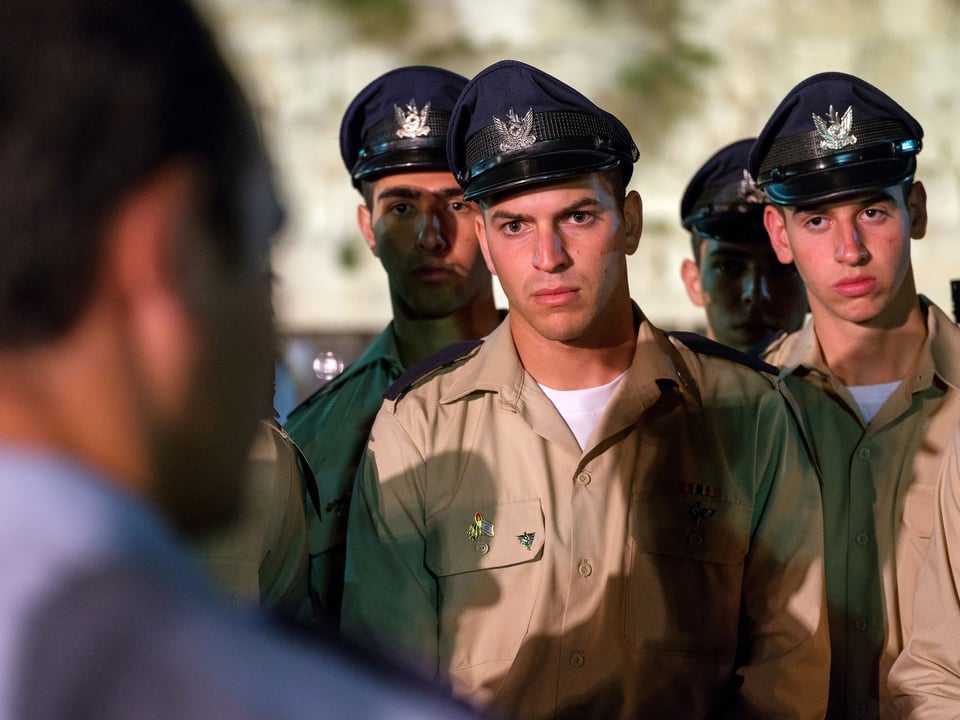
pixel 479 527
pixel 749 192
pixel 515 133
pixel 838 133
pixel 527 539
pixel 699 514
pixel 412 123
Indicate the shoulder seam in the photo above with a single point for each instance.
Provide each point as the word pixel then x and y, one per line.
pixel 431 363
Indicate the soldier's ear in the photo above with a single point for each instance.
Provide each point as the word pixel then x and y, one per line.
pixel 775 222
pixel 365 223
pixel 917 207
pixel 690 273
pixel 481 230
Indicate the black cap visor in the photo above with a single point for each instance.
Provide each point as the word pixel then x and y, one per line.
pixel 397 157
pixel 502 174
pixel 733 227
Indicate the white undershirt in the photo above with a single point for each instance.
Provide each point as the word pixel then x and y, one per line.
pixel 870 398
pixel 581 409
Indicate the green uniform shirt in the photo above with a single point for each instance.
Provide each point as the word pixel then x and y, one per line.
pixel 879 484
pixel 331 427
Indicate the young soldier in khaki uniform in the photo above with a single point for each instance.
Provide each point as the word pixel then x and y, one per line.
pixel 876 371
pixel 925 679
pixel 579 517
pixel 415 220
pixel 747 294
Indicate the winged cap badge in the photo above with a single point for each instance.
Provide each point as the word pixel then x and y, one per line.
pixel 835 132
pixel 749 192
pixel 515 133
pixel 411 122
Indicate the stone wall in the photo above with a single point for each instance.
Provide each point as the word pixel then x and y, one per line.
pixel 707 72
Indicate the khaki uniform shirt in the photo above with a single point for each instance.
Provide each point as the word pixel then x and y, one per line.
pixel 637 578
pixel 261 558
pixel 925 679
pixel 331 427
pixel 879 482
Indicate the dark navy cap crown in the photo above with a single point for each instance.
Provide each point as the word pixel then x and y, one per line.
pixel 722 200
pixel 398 123
pixel 834 135
pixel 515 126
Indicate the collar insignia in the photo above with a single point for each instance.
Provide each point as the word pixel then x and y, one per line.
pixel 835 131
pixel 515 133
pixel 479 527
pixel 410 122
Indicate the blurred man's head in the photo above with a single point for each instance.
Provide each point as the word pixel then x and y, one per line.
pixel 136 210
pixel 735 276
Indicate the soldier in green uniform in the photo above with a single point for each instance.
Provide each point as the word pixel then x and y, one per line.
pixel 747 294
pixel 876 368
pixel 415 220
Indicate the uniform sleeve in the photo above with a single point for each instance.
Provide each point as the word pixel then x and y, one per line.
pixel 390 598
pixel 261 557
pixel 785 651
pixel 285 566
pixel 925 679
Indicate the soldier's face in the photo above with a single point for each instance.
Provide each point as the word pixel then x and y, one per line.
pixel 854 255
pixel 560 254
pixel 746 292
pixel 423 232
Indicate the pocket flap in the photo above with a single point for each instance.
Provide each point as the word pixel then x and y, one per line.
pixel 480 537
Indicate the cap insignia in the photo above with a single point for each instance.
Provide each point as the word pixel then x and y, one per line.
pixel 838 133
pixel 749 192
pixel 515 133
pixel 412 123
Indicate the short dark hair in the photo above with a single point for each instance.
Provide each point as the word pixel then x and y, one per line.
pixel 95 96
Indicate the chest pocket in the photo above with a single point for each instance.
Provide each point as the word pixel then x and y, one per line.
pixel 488 577
pixel 685 573
pixel 481 537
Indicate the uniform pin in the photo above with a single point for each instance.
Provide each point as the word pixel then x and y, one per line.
pixel 699 514
pixel 479 527
pixel 527 539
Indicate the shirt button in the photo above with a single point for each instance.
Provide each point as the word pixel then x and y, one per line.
pixel 482 547
pixel 694 538
pixel 860 711
pixel 860 624
pixel 864 453
pixel 577 659
pixel 862 539
pixel 586 570
pixel 584 478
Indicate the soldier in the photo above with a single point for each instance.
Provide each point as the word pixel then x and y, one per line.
pixel 876 368
pixel 136 210
pixel 415 220
pixel 748 296
pixel 578 516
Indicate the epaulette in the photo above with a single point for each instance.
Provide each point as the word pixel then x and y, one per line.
pixel 759 348
pixel 431 363
pixel 706 346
